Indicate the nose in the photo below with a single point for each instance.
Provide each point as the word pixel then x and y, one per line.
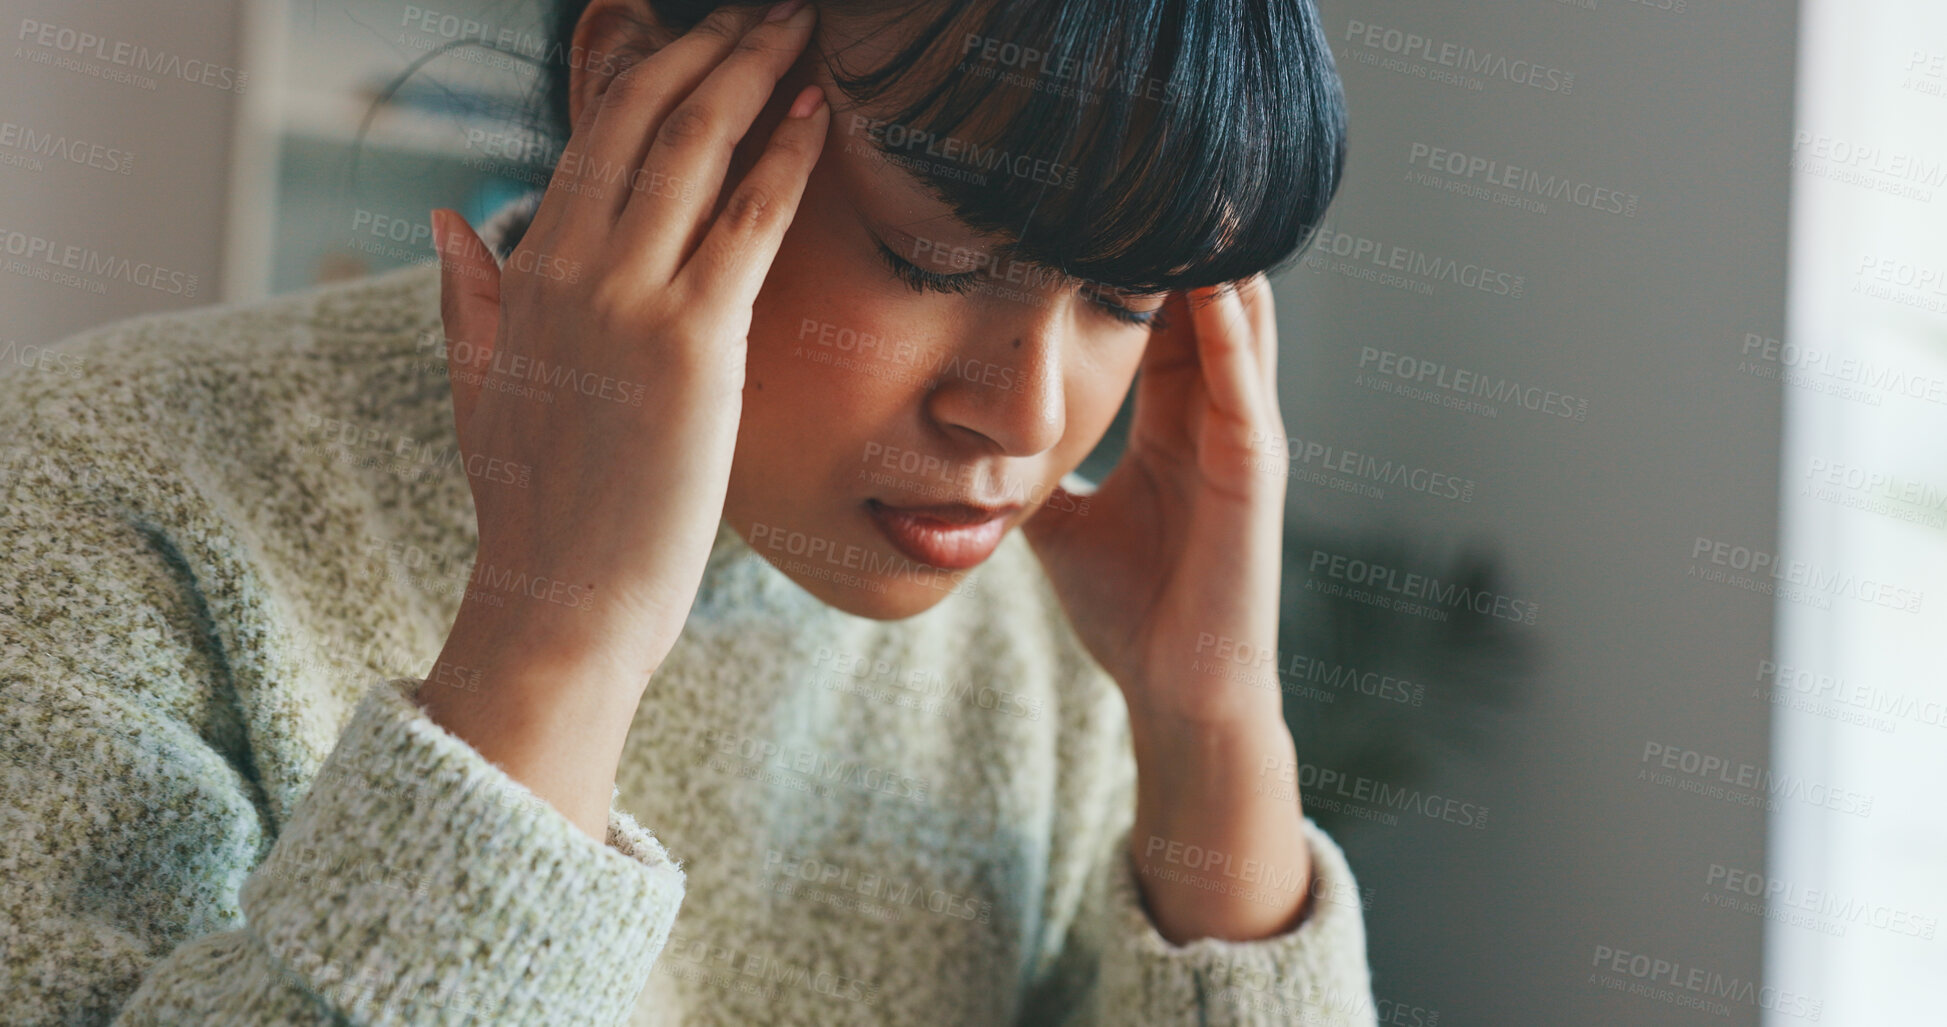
pixel 1002 388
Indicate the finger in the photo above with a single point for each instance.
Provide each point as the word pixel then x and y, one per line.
pixel 469 309
pixel 1174 344
pixel 692 149
pixel 627 111
pixel 736 255
pixel 565 199
pixel 1259 304
pixel 1171 352
pixel 1225 348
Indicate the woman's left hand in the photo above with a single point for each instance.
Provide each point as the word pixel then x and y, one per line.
pixel 1170 576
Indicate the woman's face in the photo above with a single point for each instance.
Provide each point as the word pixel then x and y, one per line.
pixel 891 436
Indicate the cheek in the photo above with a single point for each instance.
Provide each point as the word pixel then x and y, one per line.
pixel 1096 390
pixel 821 378
pixel 819 340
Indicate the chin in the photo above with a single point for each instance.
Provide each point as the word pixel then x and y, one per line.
pixel 879 597
pixel 848 565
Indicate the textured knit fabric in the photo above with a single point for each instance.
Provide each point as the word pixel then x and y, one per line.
pixel 232 541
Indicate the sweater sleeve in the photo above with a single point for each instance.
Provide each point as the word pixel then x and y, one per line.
pixel 1124 971
pixel 143 880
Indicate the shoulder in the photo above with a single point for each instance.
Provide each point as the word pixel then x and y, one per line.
pixel 219 372
pixel 178 417
pixel 171 530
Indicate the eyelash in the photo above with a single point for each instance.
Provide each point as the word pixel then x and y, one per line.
pixel 921 280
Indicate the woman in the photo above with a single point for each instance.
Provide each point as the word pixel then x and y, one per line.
pixel 745 702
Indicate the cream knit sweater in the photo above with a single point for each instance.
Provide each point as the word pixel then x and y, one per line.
pixel 232 541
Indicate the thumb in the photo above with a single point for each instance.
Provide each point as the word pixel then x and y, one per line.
pixel 469 308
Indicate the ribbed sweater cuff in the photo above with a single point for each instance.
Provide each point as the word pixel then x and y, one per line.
pixel 417 883
pixel 1314 973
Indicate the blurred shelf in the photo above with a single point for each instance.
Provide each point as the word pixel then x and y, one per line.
pixel 335 118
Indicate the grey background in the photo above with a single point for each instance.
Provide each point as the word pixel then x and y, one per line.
pixel 1595 521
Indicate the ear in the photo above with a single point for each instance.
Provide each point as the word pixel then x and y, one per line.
pixel 611 36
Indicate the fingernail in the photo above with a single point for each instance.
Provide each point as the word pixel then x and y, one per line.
pixel 784 10
pixel 807 102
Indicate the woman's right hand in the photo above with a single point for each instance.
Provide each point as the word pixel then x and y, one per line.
pixel 627 304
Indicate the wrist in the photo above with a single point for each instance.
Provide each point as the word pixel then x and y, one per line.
pixel 550 710
pixel 1193 773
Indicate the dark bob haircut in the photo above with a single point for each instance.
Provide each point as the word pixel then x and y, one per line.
pixel 1170 144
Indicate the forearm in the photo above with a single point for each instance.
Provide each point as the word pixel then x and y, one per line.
pixel 537 694
pixel 1218 852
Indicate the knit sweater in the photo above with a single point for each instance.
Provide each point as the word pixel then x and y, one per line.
pixel 232 542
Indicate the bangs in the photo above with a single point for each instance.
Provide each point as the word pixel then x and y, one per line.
pixel 1145 145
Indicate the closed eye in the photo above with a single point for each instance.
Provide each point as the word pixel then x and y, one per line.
pixel 921 280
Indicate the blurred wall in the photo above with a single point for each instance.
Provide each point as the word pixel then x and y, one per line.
pixel 1587 200
pixel 115 156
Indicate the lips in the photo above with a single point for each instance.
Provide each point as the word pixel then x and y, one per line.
pixel 951 536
